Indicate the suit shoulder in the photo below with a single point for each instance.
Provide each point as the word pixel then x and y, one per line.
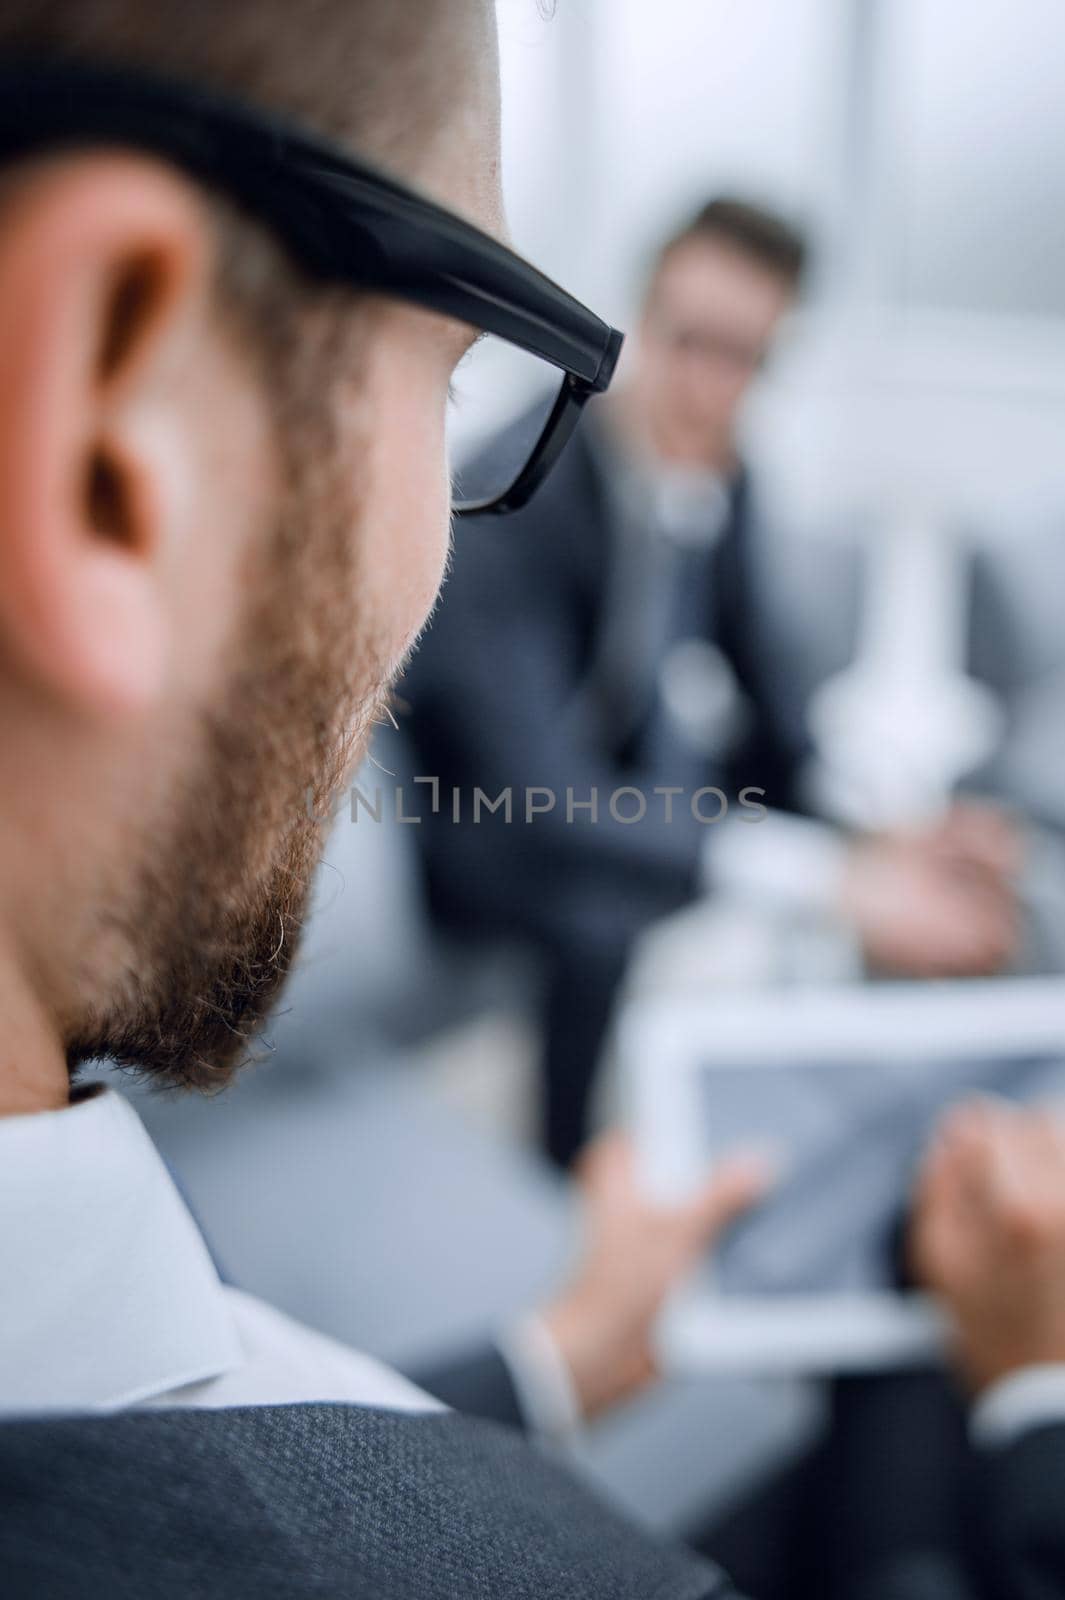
pixel 314 1499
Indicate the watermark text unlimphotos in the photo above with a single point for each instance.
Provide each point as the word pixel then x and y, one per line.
pixel 628 805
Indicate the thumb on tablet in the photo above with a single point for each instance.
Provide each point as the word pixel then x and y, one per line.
pixel 737 1183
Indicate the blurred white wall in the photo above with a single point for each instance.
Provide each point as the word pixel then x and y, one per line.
pixel 973 177
pixel 919 140
pixel 620 116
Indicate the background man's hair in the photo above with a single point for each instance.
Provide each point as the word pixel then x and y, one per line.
pixel 762 235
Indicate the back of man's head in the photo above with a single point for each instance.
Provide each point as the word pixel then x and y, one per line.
pixel 382 75
pixel 388 80
pixel 223 516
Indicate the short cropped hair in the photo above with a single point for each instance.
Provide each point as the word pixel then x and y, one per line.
pixel 377 73
pixel 761 235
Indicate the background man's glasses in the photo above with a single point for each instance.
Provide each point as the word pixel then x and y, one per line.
pixel 524 385
pixel 713 347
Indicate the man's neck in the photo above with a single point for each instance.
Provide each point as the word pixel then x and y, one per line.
pixel 33 1069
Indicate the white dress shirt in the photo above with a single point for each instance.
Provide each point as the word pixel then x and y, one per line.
pixel 786 862
pixel 111 1299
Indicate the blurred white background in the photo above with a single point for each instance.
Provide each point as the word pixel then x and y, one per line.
pixel 918 140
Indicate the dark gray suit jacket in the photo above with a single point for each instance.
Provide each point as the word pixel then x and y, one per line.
pixel 491 689
pixel 279 1502
pixel 1015 1500
pixel 477 1383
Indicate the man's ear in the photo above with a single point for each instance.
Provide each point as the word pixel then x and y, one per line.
pixel 103 266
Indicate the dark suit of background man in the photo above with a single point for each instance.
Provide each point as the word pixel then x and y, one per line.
pixel 224 514
pixel 614 637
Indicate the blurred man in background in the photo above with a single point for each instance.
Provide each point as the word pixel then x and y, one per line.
pixel 616 639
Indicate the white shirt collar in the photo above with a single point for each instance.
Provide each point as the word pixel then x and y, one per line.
pixel 109 1293
pixel 689 505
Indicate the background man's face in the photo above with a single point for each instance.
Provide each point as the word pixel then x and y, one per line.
pixel 708 323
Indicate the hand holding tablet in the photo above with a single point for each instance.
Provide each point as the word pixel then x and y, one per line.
pixel 848 1086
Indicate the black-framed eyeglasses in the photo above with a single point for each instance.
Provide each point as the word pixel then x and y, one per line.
pixel 345 222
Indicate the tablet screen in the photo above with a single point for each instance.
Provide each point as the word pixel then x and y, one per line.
pixel 849 1138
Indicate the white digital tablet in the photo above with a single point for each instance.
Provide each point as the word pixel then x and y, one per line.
pixel 844 1085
